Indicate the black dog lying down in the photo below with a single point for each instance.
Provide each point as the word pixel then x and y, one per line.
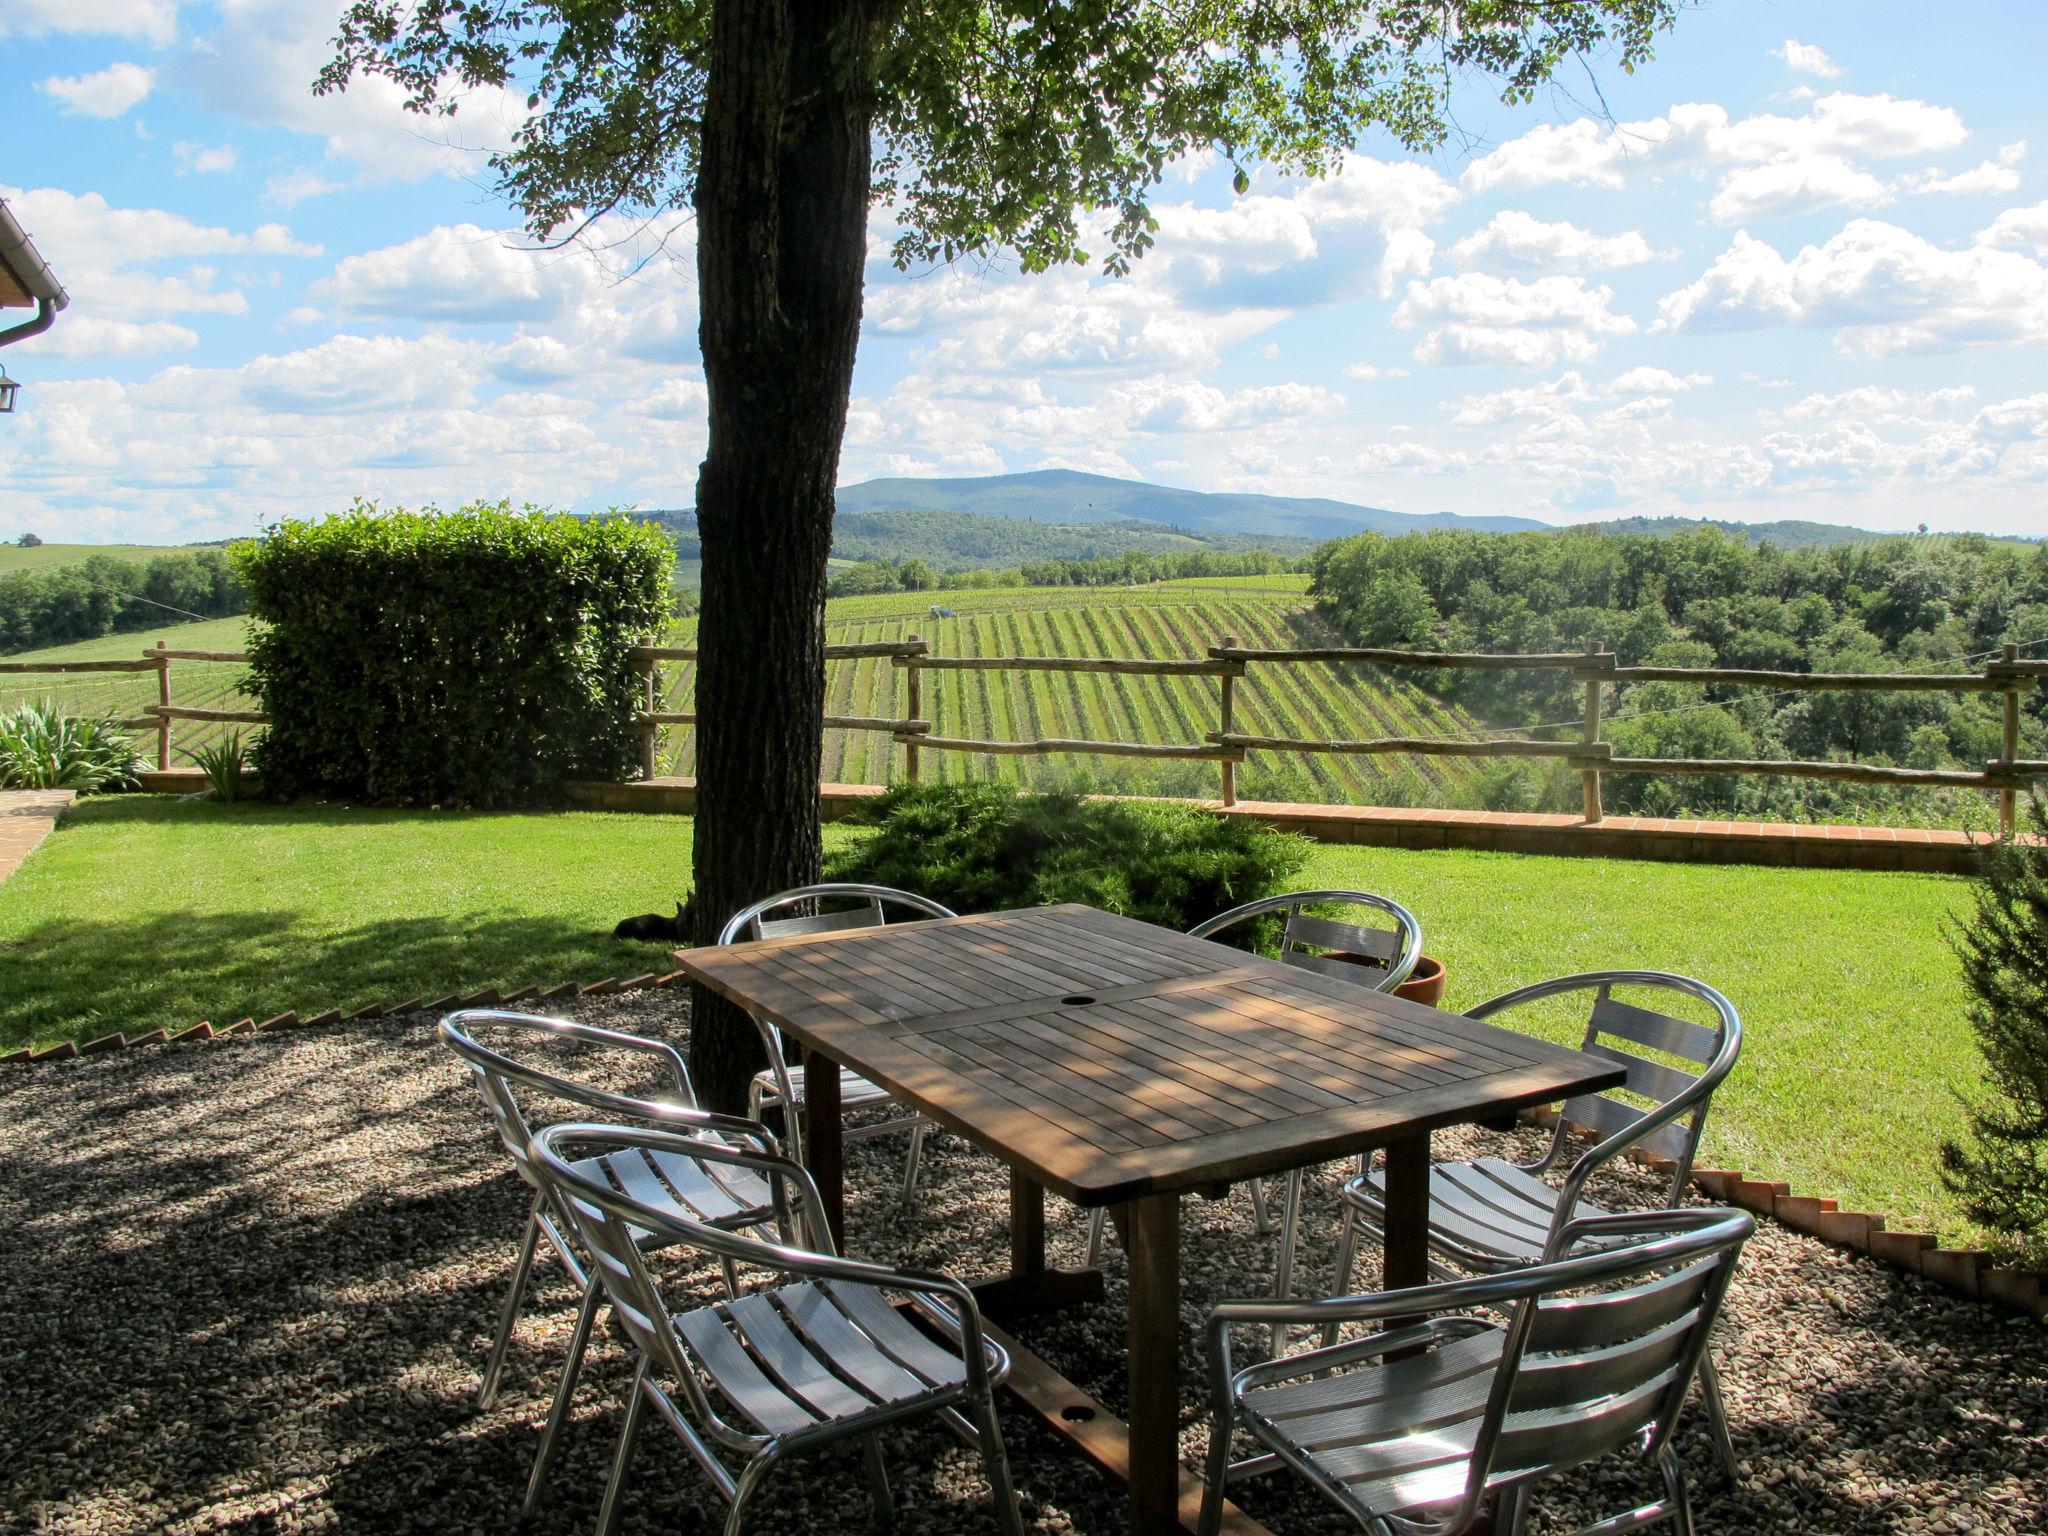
pixel 654 928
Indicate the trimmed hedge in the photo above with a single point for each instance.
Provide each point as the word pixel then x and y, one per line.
pixel 469 658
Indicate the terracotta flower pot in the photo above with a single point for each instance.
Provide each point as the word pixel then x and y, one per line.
pixel 1425 984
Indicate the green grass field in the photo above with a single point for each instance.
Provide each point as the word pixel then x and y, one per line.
pixel 1168 620
pixel 146 912
pixel 44 556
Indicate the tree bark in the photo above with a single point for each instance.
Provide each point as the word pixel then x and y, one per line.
pixel 782 201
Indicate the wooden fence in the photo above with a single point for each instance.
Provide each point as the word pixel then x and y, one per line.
pixel 1226 746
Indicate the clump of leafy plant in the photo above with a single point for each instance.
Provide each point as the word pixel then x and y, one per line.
pixel 223 761
pixel 2001 1173
pixel 41 747
pixel 984 848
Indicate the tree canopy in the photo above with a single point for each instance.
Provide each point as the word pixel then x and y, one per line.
pixel 998 124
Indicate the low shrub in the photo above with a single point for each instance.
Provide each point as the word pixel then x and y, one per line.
pixel 985 848
pixel 41 747
pixel 472 658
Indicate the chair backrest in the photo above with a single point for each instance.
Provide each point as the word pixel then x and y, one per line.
pixel 871 906
pixel 1673 1067
pixel 1602 1347
pixel 1313 942
pixel 586 1170
pixel 499 1075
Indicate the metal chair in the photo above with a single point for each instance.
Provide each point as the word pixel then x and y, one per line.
pixel 1424 1424
pixel 1492 1215
pixel 679 1182
pixel 776 1087
pixel 821 1355
pixel 1312 943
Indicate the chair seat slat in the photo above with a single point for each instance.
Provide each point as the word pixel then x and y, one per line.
pixel 1565 1437
pixel 733 1371
pixel 852 1351
pixel 789 1358
pixel 1456 1393
pixel 880 1321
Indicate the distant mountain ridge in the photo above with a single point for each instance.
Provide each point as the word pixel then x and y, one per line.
pixel 1070 496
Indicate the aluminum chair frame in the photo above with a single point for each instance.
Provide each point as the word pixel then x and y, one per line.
pixel 1665 1129
pixel 496 1074
pixel 1398 951
pixel 844 1375
pixel 776 1086
pixel 1572 1377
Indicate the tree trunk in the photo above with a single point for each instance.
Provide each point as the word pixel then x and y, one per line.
pixel 782 201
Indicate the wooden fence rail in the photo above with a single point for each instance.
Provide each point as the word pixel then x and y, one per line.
pixel 2007 675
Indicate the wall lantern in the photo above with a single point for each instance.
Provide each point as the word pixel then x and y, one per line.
pixel 8 390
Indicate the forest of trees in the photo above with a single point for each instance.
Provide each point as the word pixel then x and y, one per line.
pixel 1133 569
pixel 103 595
pixel 1707 598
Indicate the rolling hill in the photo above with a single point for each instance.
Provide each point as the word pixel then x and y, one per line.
pixel 1068 496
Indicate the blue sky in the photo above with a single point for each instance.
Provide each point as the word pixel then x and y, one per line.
pixel 1802 271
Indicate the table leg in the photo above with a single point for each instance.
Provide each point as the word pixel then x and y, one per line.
pixel 1154 1261
pixel 823 1132
pixel 1407 1240
pixel 1027 1227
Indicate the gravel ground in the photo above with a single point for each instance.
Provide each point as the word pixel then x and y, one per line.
pixel 248 1285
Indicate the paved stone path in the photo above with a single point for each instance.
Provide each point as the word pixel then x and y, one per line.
pixel 26 816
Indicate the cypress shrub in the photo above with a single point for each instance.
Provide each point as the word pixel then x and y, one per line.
pixel 986 848
pixel 2001 1172
pixel 470 658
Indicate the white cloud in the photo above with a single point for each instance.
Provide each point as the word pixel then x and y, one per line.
pixel 1373 371
pixel 1192 406
pixel 1767 163
pixel 457 272
pixel 83 335
pixel 1517 239
pixel 1807 59
pixel 1408 255
pixel 106 93
pixel 2019 226
pixel 206 160
pixel 1881 288
pixel 1481 319
pixel 1656 381
pixel 1988 176
pixel 151 21
pixel 1796 186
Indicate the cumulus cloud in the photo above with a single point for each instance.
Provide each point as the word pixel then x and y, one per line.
pixel 1512 238
pixel 2000 175
pixel 1768 163
pixel 150 21
pixel 1807 59
pixel 1656 381
pixel 106 93
pixel 458 272
pixel 1480 318
pixel 2019 226
pixel 206 160
pixel 1881 288
pixel 136 266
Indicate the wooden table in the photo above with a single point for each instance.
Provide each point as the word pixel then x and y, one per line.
pixel 1122 1064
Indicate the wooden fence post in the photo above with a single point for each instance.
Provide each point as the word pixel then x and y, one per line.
pixel 163 698
pixel 913 707
pixel 650 735
pixel 1226 725
pixel 1589 776
pixel 2009 747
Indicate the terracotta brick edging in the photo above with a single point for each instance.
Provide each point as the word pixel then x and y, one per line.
pixel 1969 1271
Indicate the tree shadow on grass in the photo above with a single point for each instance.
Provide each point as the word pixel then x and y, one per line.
pixel 72 978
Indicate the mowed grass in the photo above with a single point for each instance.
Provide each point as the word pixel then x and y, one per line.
pixel 43 556
pixel 145 913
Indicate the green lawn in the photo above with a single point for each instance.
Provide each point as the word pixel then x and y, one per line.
pixel 146 912
pixel 42 557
